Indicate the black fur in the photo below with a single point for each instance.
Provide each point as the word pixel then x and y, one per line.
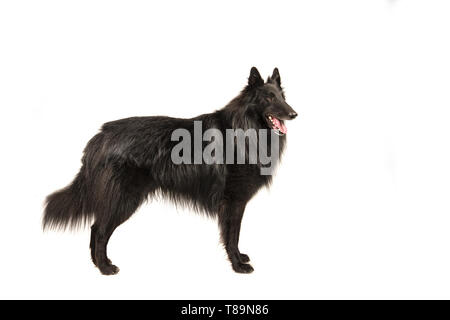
pixel 130 160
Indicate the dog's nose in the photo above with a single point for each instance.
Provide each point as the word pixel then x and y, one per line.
pixel 292 115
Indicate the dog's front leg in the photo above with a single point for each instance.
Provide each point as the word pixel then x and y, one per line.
pixel 230 217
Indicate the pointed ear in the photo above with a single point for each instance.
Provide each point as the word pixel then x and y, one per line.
pixel 255 80
pixel 275 78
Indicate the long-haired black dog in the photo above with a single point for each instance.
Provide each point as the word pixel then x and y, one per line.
pixel 130 160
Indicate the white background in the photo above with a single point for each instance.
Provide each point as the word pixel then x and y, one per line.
pixel 360 207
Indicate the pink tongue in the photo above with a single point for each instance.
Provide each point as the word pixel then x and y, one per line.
pixel 283 128
pixel 279 125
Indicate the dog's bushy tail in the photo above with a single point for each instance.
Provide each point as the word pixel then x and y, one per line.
pixel 65 208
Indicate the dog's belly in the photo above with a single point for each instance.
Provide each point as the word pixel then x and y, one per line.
pixel 200 187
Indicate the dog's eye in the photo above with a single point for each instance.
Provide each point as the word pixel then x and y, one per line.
pixel 270 97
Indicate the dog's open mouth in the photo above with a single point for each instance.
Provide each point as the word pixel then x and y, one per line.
pixel 277 125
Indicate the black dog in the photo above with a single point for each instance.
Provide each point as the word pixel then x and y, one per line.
pixel 130 160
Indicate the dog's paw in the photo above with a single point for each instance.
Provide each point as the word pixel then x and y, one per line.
pixel 244 258
pixel 242 268
pixel 108 269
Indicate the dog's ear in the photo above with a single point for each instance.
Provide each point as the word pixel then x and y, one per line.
pixel 275 78
pixel 255 80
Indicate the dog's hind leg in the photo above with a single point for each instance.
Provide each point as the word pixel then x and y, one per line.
pixel 230 217
pixel 94 228
pixel 100 235
pixel 92 243
pixel 104 227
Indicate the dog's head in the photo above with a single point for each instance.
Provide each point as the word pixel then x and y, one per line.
pixel 269 100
